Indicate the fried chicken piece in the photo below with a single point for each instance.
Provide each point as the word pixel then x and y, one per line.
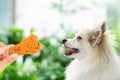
pixel 30 45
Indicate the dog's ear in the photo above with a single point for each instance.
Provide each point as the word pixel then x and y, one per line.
pixel 97 35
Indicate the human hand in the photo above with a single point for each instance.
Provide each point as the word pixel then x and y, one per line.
pixel 5 58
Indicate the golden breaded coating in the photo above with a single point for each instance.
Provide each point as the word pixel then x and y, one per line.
pixel 30 45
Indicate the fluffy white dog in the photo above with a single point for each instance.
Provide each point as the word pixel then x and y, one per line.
pixel 95 56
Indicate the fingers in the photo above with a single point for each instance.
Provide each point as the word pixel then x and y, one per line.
pixel 2 45
pixel 5 49
pixel 2 56
pixel 10 59
pixel 7 61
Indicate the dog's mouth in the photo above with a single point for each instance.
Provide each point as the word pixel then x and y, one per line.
pixel 70 51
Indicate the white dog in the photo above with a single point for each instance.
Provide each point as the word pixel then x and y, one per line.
pixel 95 56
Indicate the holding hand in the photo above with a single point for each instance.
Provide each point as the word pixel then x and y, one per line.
pixel 5 58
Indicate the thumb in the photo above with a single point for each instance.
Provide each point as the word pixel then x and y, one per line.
pixel 8 60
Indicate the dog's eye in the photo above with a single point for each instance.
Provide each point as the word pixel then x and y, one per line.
pixel 79 38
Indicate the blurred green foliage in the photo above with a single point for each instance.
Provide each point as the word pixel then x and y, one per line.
pixel 11 35
pixel 61 5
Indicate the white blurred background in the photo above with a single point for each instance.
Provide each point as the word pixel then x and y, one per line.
pixel 46 16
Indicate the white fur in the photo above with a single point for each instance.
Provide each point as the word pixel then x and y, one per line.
pixel 90 63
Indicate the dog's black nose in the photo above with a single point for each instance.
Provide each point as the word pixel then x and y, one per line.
pixel 64 40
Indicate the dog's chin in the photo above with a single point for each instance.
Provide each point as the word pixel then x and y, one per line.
pixel 71 51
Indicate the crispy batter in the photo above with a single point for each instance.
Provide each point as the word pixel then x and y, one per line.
pixel 30 45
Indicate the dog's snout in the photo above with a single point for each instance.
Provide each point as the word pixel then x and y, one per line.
pixel 64 40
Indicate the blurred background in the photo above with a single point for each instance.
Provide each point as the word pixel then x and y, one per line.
pixel 51 21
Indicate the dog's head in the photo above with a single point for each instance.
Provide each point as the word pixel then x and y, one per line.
pixel 83 43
